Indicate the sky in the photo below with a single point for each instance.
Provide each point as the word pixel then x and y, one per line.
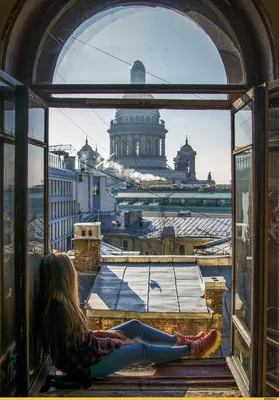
pixel 175 50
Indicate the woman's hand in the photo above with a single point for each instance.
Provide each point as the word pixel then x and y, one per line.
pixel 126 341
pixel 110 334
pixel 117 335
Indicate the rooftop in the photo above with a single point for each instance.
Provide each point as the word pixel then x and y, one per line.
pixel 145 287
pixel 153 227
pixel 174 195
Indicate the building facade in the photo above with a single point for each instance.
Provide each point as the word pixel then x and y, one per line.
pixel 63 204
pixel 74 195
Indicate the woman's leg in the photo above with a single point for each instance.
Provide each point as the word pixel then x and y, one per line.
pixel 134 353
pixel 135 329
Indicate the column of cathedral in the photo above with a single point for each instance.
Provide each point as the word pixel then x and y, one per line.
pixel 155 146
pixel 143 144
pixel 163 147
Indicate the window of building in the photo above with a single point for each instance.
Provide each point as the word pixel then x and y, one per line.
pixel 137 147
pixel 89 233
pixel 7 282
pixel 83 233
pixel 181 250
pixel 125 245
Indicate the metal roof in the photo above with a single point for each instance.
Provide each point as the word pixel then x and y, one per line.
pixel 109 250
pixel 153 227
pixel 174 195
pixel 169 288
pixel 219 246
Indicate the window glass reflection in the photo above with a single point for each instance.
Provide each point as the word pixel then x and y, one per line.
pixel 273 248
pixel 242 351
pixel 35 199
pixel 8 123
pixel 8 289
pixel 103 47
pixel 36 122
pixel 243 242
pixel 272 368
pixel 243 127
pixel 35 245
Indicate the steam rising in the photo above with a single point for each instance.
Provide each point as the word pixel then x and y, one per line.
pixel 129 173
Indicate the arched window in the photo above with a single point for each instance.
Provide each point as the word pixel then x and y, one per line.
pixel 67 33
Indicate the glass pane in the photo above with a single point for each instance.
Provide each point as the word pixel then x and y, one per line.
pixel 8 290
pixel 241 351
pixel 36 122
pixel 243 240
pixel 140 96
pixel 159 41
pixel 35 241
pixel 273 246
pixel 8 124
pixel 243 127
pixel 272 368
pixel 35 199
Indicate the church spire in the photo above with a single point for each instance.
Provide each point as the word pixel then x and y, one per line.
pixel 186 142
pixel 86 140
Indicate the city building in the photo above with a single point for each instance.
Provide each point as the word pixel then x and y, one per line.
pixel 176 201
pixel 64 204
pixel 162 235
pixel 74 195
pixel 138 140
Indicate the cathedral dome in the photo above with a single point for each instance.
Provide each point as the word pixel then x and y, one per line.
pixel 87 154
pixel 86 150
pixel 186 147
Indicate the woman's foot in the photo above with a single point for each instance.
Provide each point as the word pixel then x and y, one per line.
pixel 206 345
pixel 182 339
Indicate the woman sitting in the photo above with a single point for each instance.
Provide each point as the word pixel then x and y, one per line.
pixel 82 353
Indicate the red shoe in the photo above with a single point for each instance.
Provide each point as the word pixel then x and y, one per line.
pixel 205 346
pixel 185 339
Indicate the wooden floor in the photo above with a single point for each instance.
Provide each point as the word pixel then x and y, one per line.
pixel 185 378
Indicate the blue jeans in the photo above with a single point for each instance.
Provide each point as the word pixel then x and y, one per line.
pixel 154 346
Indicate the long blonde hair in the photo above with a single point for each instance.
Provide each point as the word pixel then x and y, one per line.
pixel 60 285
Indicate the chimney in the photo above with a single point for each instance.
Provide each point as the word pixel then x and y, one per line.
pixel 87 242
pixel 126 219
pixel 132 217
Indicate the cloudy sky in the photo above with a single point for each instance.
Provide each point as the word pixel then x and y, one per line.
pixel 174 50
